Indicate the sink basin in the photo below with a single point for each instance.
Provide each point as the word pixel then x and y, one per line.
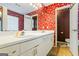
pixel 25 36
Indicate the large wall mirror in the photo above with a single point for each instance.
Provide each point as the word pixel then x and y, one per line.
pixel 8 22
pixel 1 12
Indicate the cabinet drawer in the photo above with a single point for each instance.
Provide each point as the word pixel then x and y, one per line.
pixel 11 50
pixel 28 45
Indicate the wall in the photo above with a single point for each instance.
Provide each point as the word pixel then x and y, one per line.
pixel 21 18
pixel 78 21
pixel 46 16
pixel 4 18
pixel 1 10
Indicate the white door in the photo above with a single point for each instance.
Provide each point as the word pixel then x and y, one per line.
pixel 74 29
pixel 12 23
pixel 27 23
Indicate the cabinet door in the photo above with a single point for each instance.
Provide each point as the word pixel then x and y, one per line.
pixel 41 50
pixel 28 45
pixel 45 45
pixel 11 50
pixel 50 42
pixel 4 52
pixel 30 52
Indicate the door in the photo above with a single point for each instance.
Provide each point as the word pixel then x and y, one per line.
pixel 62 24
pixel 74 29
pixel 27 23
pixel 34 20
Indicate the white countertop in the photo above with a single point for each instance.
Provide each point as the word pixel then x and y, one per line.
pixel 7 40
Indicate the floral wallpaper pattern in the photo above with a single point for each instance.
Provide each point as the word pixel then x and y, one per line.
pixel 46 16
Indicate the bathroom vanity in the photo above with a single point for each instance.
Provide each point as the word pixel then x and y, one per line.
pixel 32 43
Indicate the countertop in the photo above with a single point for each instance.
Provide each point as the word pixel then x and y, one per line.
pixel 8 40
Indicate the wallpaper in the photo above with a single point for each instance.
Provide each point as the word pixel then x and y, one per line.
pixel 46 16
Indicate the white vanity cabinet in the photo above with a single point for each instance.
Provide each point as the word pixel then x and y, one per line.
pixel 39 46
pixel 10 51
pixel 45 45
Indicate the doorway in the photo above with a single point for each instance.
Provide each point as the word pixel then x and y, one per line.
pixel 63 24
pixel 34 22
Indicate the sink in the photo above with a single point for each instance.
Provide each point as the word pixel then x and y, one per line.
pixel 25 36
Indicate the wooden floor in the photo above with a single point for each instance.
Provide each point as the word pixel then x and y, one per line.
pixel 60 51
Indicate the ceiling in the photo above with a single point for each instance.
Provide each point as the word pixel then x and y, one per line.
pixel 24 8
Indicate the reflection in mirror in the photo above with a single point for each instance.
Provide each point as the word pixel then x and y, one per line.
pixel 1 11
pixel 12 23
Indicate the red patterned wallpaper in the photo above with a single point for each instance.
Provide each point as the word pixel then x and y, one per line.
pixel 46 16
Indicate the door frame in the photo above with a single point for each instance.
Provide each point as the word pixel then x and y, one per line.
pixel 37 19
pixel 60 8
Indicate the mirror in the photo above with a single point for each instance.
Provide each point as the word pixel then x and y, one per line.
pixel 1 11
